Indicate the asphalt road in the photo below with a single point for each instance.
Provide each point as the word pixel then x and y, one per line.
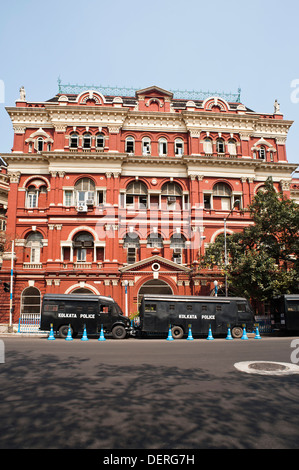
pixel 145 394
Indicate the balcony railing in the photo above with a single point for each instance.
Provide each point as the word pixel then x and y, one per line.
pixel 32 265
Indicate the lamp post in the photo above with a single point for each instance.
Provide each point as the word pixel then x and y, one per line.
pixel 11 286
pixel 225 248
pixel 126 283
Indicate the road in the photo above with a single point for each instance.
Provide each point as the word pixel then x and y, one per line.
pixel 145 394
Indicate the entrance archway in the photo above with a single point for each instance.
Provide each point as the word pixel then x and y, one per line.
pixel 156 287
pixel 82 290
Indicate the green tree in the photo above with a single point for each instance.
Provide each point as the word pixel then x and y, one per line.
pixel 263 258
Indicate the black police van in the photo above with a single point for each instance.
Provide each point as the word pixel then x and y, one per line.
pixel 285 313
pixel 158 312
pixel 77 310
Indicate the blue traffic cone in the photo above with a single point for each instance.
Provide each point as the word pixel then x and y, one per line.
pixel 51 336
pixel 102 337
pixel 244 336
pixel 210 336
pixel 229 336
pixel 69 335
pixel 190 337
pixel 257 333
pixel 84 337
pixel 169 337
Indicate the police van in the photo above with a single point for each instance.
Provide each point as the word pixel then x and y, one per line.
pixel 285 313
pixel 76 311
pixel 158 312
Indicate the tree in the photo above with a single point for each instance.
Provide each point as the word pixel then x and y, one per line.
pixel 263 259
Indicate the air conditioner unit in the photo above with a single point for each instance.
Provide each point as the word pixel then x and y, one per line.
pixel 82 208
pixel 89 202
pixel 171 199
pixel 177 251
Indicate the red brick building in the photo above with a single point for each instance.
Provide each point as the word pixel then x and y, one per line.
pixel 107 190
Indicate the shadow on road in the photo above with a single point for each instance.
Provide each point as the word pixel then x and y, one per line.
pixel 44 404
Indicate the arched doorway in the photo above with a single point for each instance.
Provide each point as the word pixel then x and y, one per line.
pixel 154 286
pixel 82 290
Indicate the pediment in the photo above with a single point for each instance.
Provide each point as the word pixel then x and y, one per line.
pixel 154 91
pixel 146 265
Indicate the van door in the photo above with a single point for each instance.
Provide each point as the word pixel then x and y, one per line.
pixel 105 316
pixel 150 311
pixel 292 314
pixel 207 317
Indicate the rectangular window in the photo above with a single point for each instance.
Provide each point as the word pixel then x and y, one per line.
pixel 68 198
pixel 218 308
pixel 100 197
pixel 81 254
pixel 131 255
pixel 32 200
pixel 207 201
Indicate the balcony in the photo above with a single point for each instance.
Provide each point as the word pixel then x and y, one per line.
pixel 32 265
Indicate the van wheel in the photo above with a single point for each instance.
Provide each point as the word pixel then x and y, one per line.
pixel 237 332
pixel 177 332
pixel 119 332
pixel 63 331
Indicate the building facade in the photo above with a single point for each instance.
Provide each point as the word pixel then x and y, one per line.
pixel 119 195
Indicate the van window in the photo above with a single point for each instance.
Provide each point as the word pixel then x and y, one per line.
pixel 150 307
pixel 293 306
pixel 104 309
pixel 171 307
pixel 204 308
pixel 218 308
pixel 51 308
pixel 189 307
pixel 241 307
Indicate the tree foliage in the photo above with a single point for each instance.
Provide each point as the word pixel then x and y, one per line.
pixel 263 258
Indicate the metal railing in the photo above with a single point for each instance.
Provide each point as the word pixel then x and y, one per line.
pixel 29 323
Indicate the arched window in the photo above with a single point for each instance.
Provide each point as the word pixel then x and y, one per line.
pixel 35 192
pixel 87 141
pixel 34 241
pixel 262 153
pixel 83 244
pixel 179 147
pixel 162 146
pixel 32 197
pixel 100 141
pixel 222 196
pixel 74 141
pixel 30 301
pixel 39 144
pixel 130 145
pixel 136 195
pixel 146 146
pixel 171 196
pixel 85 191
pixel 220 146
pixel 132 244
pixel 154 240
pixel 208 147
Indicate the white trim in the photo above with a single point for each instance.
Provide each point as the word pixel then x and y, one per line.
pixel 79 286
